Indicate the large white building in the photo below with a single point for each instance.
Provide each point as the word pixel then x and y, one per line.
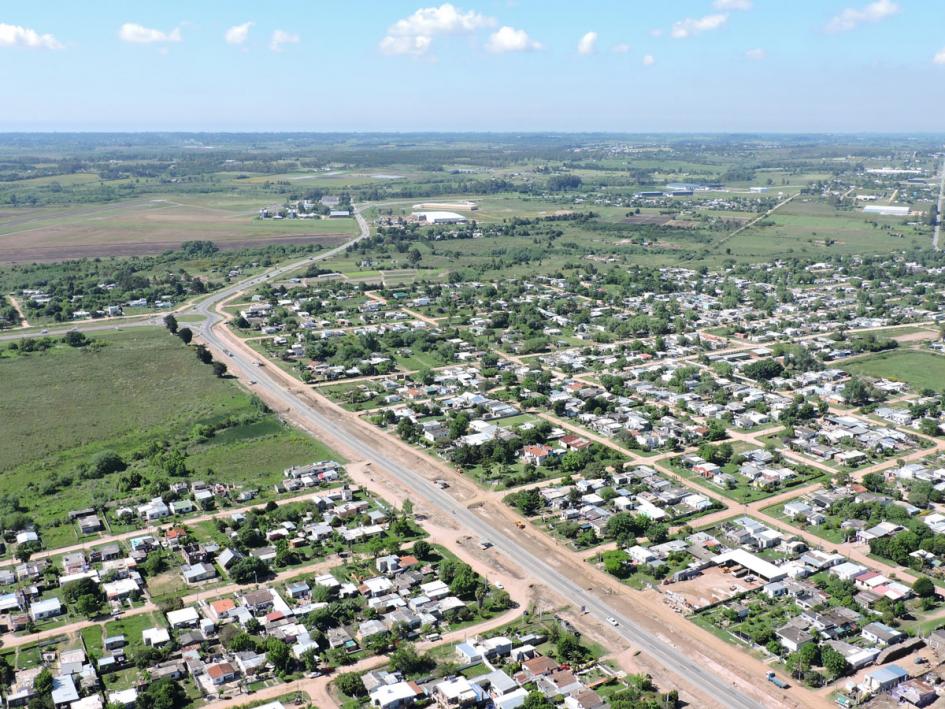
pixel 439 217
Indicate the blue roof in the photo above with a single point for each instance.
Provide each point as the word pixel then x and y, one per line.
pixel 888 673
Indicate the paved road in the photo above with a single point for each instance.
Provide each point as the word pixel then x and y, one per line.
pixel 719 688
pixel 941 202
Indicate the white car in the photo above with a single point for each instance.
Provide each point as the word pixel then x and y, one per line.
pixel 612 621
pixel 499 585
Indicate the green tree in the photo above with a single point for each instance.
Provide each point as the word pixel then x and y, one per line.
pixel 350 683
pixel 835 663
pixel 170 322
pixel 162 694
pixel 279 655
pixel 923 587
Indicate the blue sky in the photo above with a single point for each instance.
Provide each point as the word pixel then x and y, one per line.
pixel 484 65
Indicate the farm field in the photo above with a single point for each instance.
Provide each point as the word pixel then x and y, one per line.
pixel 149 226
pixel 920 370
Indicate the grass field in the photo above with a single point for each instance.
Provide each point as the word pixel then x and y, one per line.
pixel 62 407
pixel 148 226
pixel 920 370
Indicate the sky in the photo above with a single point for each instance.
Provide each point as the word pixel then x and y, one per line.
pixel 473 65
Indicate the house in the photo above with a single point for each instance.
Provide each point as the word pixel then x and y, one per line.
pixel 196 573
pixel 538 666
pixel 885 678
pixel 185 617
pixel 536 454
pixel 48 608
pixel 89 524
pixel 916 692
pixel 221 609
pixel 155 637
pixel 457 692
pixel 584 699
pixel 393 696
pixel 126 698
pixel 155 509
pixel 222 672
pixel 121 589
pixel 64 691
pixel 793 637
pixel 881 634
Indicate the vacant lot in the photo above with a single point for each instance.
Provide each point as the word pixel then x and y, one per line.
pixel 149 226
pixel 62 407
pixel 920 370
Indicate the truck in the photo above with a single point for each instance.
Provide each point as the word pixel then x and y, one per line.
pixel 776 681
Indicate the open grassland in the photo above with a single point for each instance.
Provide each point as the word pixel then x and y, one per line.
pixel 62 407
pixel 148 226
pixel 920 370
pixel 811 227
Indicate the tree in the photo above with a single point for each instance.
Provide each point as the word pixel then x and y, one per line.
pixel 170 322
pixel 569 648
pixel 537 700
pixel 88 605
pixel 835 663
pixel 763 369
pixel 406 659
pixel 923 587
pixel 279 655
pixel 203 354
pixel 874 482
pixel 856 393
pixel 74 338
pixel 422 549
pixel 43 683
pixel 249 570
pixel 107 462
pixel 350 683
pixel 185 334
pixel 616 563
pixel 528 502
pixel 162 694
pixel 219 368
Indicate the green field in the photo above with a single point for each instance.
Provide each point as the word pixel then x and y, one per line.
pixel 920 370
pixel 141 387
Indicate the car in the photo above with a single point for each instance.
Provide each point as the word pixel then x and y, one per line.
pixel 44 331
pixel 498 585
pixel 252 381
pixel 612 621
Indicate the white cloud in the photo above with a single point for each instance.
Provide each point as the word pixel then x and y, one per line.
pixel 656 32
pixel 940 57
pixel 732 4
pixel 238 33
pixel 621 48
pixel 17 36
pixel 756 55
pixel 588 43
pixel 136 34
pixel 509 39
pixel 406 45
pixel 851 17
pixel 414 34
pixel 689 26
pixel 648 60
pixel 281 37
